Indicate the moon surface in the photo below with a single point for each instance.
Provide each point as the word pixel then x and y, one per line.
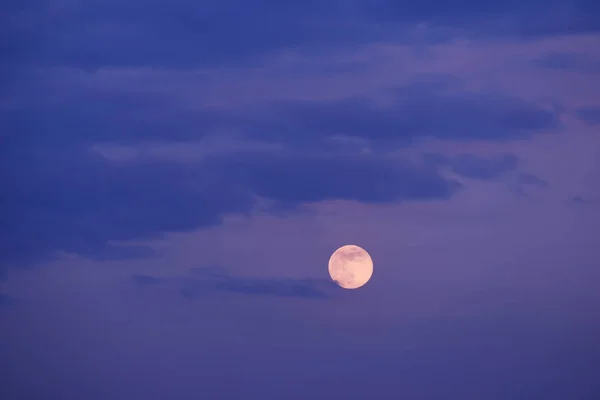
pixel 350 266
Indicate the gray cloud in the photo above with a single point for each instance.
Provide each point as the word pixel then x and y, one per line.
pixel 581 200
pixel 476 167
pixel 63 197
pixel 211 279
pixel 420 110
pixel 6 300
pixel 504 167
pixel 299 178
pixel 580 62
pixel 185 33
pixel 525 178
pixel 589 115
pixel 143 280
pixel 471 166
pixel 73 200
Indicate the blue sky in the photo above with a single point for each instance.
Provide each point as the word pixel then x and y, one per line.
pixel 175 176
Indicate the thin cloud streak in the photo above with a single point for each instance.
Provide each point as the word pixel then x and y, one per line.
pixel 205 280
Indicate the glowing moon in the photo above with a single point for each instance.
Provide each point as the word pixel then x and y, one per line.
pixel 350 267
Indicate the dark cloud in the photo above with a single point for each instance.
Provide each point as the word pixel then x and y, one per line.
pixel 580 62
pixel 525 178
pixel 420 110
pixel 477 19
pixel 476 167
pixel 210 279
pixel 91 116
pixel 525 181
pixel 59 196
pixel 63 197
pixel 589 115
pixel 181 33
pixel 304 288
pixel 299 178
pixel 4 300
pixel 9 301
pixel 210 272
pixel 73 200
pixel 504 167
pixel 580 200
pixel 143 280
pixel 185 33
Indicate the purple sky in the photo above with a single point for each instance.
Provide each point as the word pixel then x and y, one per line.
pixel 175 176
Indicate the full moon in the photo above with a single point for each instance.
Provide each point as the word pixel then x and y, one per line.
pixel 350 267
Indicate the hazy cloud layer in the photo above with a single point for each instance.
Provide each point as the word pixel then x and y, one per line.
pixel 5 300
pixel 210 279
pixel 579 62
pixel 525 178
pixel 589 115
pixel 416 111
pixel 475 167
pixel 77 201
pixel 424 109
pixel 80 202
pixel 184 33
pixel 63 197
pixel 466 130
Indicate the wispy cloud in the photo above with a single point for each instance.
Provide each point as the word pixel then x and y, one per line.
pixel 476 167
pixel 169 35
pixel 525 178
pixel 91 202
pixel 589 115
pixel 214 279
pixel 6 300
pixel 584 201
pixel 578 62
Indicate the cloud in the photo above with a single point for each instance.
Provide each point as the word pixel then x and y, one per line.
pixel 580 62
pixel 54 113
pixel 580 201
pixel 74 200
pixel 476 167
pixel 211 279
pixel 143 280
pixel 182 33
pixel 186 33
pixel 525 178
pixel 419 110
pixel 63 197
pixel 6 300
pixel 504 167
pixel 589 115
pixel 290 177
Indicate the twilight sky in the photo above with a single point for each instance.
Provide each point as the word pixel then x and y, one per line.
pixel 174 176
